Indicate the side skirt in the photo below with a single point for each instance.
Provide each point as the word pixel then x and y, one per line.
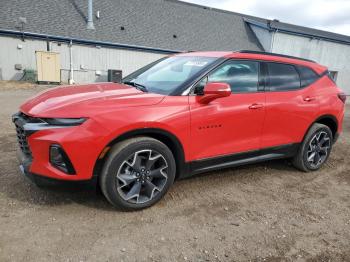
pixel 250 157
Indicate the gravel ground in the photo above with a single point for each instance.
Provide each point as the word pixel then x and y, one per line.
pixel 263 212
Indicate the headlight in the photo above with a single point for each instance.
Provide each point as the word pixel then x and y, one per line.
pixel 64 121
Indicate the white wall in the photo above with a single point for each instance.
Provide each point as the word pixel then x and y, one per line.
pixel 86 59
pixel 11 55
pixel 333 55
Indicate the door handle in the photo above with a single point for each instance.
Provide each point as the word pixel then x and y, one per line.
pixel 256 106
pixel 309 99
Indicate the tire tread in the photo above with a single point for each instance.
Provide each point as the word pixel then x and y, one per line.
pixel 114 152
pixel 298 160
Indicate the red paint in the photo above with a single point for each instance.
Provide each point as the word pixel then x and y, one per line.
pixel 213 91
pixel 240 126
pixel 230 123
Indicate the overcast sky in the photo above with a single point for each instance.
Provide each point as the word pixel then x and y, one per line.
pixel 330 15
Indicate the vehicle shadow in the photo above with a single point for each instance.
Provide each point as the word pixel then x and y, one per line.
pixel 22 189
pixel 58 194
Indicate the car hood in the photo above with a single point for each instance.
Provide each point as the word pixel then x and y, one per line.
pixel 86 100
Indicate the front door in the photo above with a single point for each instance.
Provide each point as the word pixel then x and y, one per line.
pixel 232 124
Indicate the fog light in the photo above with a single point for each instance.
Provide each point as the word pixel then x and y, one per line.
pixel 60 160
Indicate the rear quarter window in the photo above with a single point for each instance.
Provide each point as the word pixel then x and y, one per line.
pixel 307 76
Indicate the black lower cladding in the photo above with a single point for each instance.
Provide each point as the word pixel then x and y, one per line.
pixel 64 184
pixel 255 156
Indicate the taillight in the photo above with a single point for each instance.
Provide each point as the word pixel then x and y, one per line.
pixel 342 97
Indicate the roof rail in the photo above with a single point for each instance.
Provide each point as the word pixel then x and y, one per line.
pixel 272 54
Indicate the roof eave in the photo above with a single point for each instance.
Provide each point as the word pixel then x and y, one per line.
pixel 86 41
pixel 274 27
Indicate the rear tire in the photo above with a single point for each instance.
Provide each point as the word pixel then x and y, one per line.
pixel 315 148
pixel 137 173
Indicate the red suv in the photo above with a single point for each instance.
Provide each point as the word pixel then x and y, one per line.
pixel 182 115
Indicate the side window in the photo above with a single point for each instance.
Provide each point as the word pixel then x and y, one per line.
pixel 282 77
pixel 200 86
pixel 307 76
pixel 242 76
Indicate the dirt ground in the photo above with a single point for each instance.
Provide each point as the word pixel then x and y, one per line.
pixel 263 212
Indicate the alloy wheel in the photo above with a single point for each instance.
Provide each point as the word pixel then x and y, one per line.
pixel 318 149
pixel 142 176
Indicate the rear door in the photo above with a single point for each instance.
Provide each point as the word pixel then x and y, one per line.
pixel 291 104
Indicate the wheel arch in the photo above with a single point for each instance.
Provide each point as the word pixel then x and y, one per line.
pixel 328 120
pixel 169 139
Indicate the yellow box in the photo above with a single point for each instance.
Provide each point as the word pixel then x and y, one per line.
pixel 48 66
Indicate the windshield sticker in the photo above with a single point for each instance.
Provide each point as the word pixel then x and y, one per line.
pixel 196 63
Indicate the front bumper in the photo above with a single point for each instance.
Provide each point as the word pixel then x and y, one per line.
pixel 45 181
pixel 83 145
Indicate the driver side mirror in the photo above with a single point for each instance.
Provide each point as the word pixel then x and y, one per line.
pixel 214 91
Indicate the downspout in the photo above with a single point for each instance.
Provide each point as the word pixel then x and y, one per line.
pixel 273 39
pixel 90 22
pixel 71 71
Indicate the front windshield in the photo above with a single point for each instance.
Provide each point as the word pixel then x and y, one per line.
pixel 166 75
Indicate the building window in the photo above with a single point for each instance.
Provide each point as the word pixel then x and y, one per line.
pixel 333 75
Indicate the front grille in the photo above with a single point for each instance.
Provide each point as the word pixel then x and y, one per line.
pixel 21 134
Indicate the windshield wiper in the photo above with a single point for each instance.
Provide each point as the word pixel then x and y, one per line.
pixel 136 85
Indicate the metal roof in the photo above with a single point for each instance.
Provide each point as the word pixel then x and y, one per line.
pixel 153 25
pixel 298 30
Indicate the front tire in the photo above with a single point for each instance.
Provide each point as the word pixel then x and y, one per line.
pixel 137 173
pixel 315 149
